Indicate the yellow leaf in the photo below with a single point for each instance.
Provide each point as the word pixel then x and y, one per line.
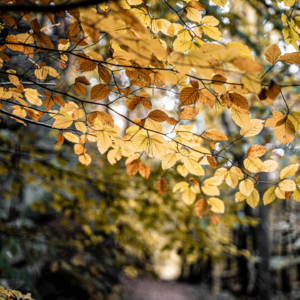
pixel 279 193
pixel 193 14
pixel 285 133
pixel 253 164
pixel 239 197
pixel 246 187
pixel 181 169
pixel 221 174
pixel 189 196
pixel 63 122
pixel 170 160
pixel 269 166
pixel 269 196
pixel 103 141
pixel 287 185
pixel 251 83
pixel 210 20
pixel 217 205
pixel 232 179
pixel 81 127
pixel 294 117
pixel 240 118
pixel 84 159
pixel 212 32
pixel 192 166
pixel 289 171
pixel 114 155
pixel 71 137
pixel 220 2
pixel 33 97
pixel 255 128
pixel 253 199
pixel 296 194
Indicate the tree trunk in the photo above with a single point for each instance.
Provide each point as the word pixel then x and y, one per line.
pixel 263 278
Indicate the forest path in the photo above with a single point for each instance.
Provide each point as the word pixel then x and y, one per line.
pixel 146 288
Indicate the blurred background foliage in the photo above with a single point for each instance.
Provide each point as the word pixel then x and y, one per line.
pixel 74 232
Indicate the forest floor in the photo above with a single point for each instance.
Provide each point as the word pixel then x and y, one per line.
pixel 146 288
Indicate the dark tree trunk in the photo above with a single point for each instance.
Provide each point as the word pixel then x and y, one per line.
pixel 263 278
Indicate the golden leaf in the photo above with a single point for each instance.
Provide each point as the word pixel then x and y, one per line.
pixel 210 20
pixel 217 205
pixel 84 159
pixel 216 135
pixel 232 178
pixel 291 58
pixel 253 164
pixel 193 14
pixel 246 187
pixel 251 82
pixel 289 171
pixel 256 151
pixel 294 117
pixel 133 167
pixel 287 185
pixel 269 166
pixel 169 161
pixel 269 196
pixel 240 118
pixel 239 197
pixel 188 113
pixel 255 128
pixel 63 122
pixel 253 199
pixel 247 64
pixel 221 174
pixel 207 98
pixel 212 32
pixel 285 133
pixel 81 127
pixel 79 89
pixel 71 137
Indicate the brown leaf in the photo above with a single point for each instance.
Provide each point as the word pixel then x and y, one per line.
pixel 79 149
pixel 59 100
pixel 188 96
pixel 216 135
pixel 274 90
pixel 73 29
pixel 200 207
pixel 188 113
pixel 79 89
pixel 172 121
pixel 82 80
pixel 60 139
pixel 193 181
pixel 194 83
pixel 247 64
pixel 99 91
pixel 146 102
pixel 105 118
pixel 48 103
pixel 207 98
pixel 161 186
pixel 291 58
pixel 215 219
pixel 104 74
pixel 212 161
pixel 196 5
pixel 288 196
pixel 239 100
pixel 144 170
pixel 158 115
pixel 272 53
pixel 218 79
pixel 133 167
pixel 256 151
pixel 79 42
pixel 132 103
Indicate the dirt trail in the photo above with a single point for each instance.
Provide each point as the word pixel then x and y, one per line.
pixel 151 289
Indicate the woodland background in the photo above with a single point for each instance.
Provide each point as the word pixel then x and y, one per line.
pixel 54 246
